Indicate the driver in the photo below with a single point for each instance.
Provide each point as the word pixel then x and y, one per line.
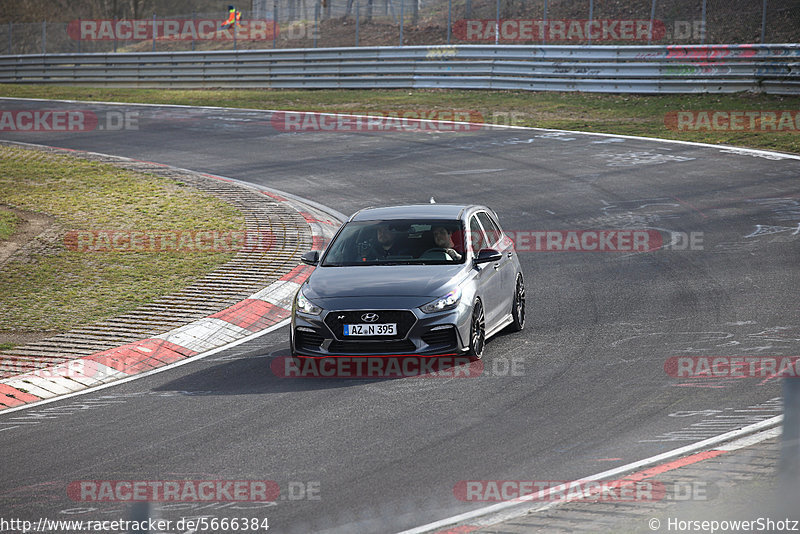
pixel 444 239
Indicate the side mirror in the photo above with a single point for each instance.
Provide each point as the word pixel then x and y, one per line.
pixel 310 258
pixel 488 255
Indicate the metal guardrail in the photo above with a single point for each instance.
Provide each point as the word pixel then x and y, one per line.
pixel 771 68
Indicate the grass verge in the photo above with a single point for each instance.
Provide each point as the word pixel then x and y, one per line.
pixel 642 115
pixel 49 287
pixel 8 224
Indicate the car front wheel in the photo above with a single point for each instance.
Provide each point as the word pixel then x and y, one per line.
pixel 518 307
pixel 477 332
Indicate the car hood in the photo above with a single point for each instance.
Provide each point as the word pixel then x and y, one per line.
pixel 384 281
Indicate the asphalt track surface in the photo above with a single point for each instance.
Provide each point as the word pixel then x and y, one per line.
pixel 590 391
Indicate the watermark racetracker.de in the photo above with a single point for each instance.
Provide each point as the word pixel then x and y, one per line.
pixel 602 240
pixel 762 366
pixel 173 491
pixel 620 490
pixel 169 241
pixel 38 120
pixel 396 366
pixel 193 491
pixel 169 30
pixel 774 121
pixel 388 121
pixel 559 30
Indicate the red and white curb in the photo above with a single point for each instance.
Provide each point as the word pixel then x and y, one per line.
pixel 265 309
pixel 633 473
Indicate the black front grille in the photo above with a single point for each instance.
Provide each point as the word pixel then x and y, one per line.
pixel 308 340
pixel 443 336
pixel 404 319
pixel 371 347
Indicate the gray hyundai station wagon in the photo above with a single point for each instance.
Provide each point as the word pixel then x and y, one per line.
pixel 417 280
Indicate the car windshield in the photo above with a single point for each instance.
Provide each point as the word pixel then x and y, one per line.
pixel 397 242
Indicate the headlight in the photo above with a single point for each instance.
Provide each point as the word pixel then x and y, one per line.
pixel 306 306
pixel 447 302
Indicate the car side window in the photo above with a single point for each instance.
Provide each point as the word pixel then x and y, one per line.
pixel 476 235
pixel 493 232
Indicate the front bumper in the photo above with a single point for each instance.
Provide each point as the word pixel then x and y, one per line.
pixel 419 334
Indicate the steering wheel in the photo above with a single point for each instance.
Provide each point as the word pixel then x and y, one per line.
pixel 436 249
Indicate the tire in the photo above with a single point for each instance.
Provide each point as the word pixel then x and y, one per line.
pixel 477 332
pixel 518 306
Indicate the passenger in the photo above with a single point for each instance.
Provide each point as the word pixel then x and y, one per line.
pixel 387 246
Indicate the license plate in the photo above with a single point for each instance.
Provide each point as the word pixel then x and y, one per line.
pixel 386 329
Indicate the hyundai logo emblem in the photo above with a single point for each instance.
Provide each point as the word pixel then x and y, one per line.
pixel 369 317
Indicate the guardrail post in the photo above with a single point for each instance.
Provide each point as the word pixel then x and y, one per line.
pixel 497 24
pixel 402 19
pixel 544 24
pixel 44 37
pixel 10 39
pixel 316 22
pixel 790 440
pixel 652 17
pixel 155 31
pixel 194 25
pixel 763 21
pixel 274 23
pixel 703 17
pixel 449 18
pixel 591 18
pixel 358 9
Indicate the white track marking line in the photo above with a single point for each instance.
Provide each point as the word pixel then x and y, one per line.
pixel 750 440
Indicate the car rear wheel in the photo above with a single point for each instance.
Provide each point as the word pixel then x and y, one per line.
pixel 477 332
pixel 518 307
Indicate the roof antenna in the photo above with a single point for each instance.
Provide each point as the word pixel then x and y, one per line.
pixel 433 201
